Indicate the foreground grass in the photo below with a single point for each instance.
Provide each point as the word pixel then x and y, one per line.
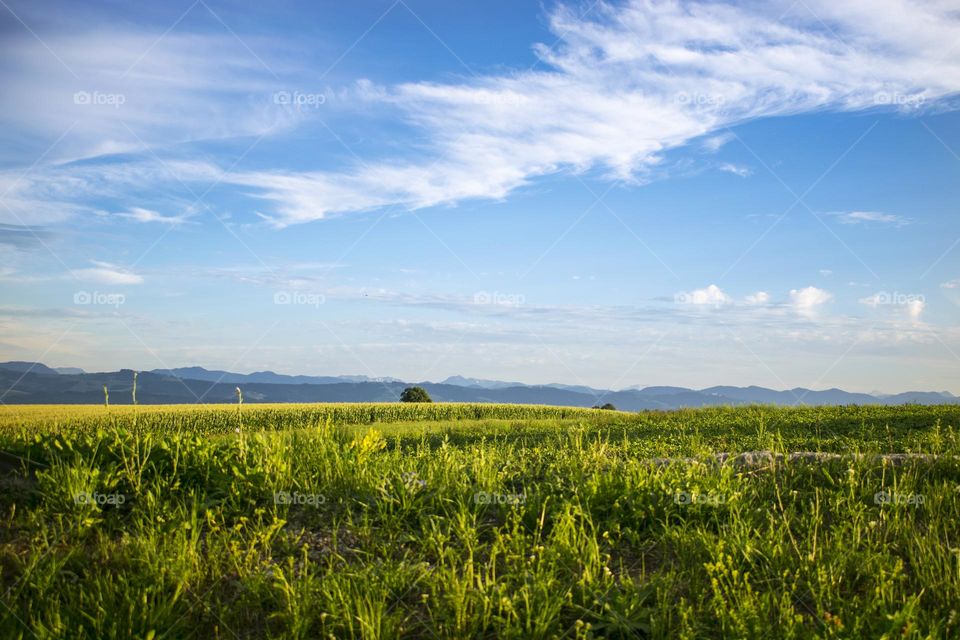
pixel 475 521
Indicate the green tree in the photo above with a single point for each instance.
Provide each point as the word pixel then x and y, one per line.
pixel 608 407
pixel 415 394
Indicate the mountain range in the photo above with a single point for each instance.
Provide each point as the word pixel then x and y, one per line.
pixel 36 383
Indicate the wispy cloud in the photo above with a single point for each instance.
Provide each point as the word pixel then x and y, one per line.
pixel 861 217
pixel 737 170
pixel 623 88
pixel 139 214
pixel 114 98
pixel 712 144
pixel 619 89
pixel 20 236
pixel 107 273
pixel 53 194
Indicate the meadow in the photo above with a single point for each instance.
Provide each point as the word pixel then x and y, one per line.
pixel 477 521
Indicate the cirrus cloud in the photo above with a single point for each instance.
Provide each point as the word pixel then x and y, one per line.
pixel 625 86
pixel 620 88
pixel 861 217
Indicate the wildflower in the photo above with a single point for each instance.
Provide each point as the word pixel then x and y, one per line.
pixel 832 619
pixel 412 481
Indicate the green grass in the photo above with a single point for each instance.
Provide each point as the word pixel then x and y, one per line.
pixel 494 521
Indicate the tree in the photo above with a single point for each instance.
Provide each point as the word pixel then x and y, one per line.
pixel 415 394
pixel 608 407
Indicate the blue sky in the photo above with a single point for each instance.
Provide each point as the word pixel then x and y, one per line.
pixel 619 194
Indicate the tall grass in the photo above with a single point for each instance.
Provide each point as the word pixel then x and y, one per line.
pixel 336 522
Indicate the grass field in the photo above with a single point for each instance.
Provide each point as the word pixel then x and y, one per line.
pixel 460 521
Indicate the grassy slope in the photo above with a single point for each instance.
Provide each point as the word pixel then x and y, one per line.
pixel 586 538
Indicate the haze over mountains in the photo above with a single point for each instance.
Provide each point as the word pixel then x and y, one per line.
pixel 26 382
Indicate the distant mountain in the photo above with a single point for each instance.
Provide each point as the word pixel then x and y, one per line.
pixel 480 383
pixel 761 395
pixel 27 382
pixel 70 371
pixel 922 397
pixel 579 388
pixel 460 381
pixel 28 367
pixel 265 377
pixel 661 391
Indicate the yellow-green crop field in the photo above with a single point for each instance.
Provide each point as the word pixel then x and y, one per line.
pixel 478 521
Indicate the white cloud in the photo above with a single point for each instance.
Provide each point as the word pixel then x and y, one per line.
pixel 119 89
pixel 858 217
pixel 629 84
pixel 826 273
pixel 915 308
pixel 806 301
pixel 713 144
pixel 737 170
pixel 711 295
pixel 797 349
pixel 107 273
pixel 758 298
pixel 911 303
pixel 52 194
pixel 139 214
pixel 951 284
pixel 617 91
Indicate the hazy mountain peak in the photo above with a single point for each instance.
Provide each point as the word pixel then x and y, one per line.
pixel 31 367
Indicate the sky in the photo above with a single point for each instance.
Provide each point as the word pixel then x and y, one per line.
pixel 611 194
